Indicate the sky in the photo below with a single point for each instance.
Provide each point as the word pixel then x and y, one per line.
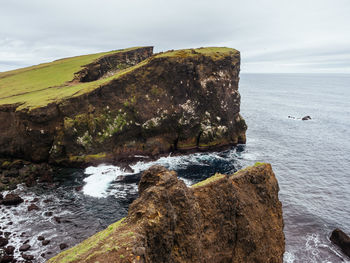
pixel 273 36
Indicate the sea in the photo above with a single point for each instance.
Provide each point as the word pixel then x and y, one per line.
pixel 311 160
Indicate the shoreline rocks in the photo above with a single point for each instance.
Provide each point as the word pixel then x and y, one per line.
pixel 12 200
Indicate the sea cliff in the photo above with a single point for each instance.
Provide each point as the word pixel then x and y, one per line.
pixel 113 106
pixel 226 218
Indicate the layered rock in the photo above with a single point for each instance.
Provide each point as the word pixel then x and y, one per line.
pixel 130 103
pixel 236 218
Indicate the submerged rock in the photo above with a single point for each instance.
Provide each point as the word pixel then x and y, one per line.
pixel 342 240
pixel 306 118
pixel 12 199
pixel 226 218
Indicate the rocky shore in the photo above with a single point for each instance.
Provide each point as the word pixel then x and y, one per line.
pixel 226 218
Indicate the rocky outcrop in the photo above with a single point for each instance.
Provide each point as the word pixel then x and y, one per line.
pixel 342 240
pixel 183 100
pixel 236 218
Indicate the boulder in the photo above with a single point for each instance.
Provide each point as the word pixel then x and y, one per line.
pixel 12 199
pixel 3 241
pixel 24 247
pixel 342 240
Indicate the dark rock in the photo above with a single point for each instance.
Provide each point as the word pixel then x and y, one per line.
pixel 27 257
pixel 6 258
pixel 23 234
pixel 7 234
pixel 12 199
pixel 47 201
pixel 9 250
pixel 306 118
pixel 57 219
pixel 26 242
pixel 342 240
pixel 45 242
pixel 3 241
pixel 33 207
pixel 24 247
pixel 63 246
pixel 1 196
pixel 41 238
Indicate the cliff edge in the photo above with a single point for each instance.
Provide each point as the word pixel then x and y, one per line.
pixel 226 218
pixel 115 105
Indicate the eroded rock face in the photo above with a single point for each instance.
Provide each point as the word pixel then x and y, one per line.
pixel 188 101
pixel 235 218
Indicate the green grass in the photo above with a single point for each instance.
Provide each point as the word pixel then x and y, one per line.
pixel 214 52
pixel 41 84
pixel 214 178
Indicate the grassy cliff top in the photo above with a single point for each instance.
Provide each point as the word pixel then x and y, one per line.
pixel 214 52
pixel 39 85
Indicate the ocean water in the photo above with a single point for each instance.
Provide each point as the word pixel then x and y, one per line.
pixel 311 160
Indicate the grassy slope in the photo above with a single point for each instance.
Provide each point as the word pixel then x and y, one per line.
pixel 40 85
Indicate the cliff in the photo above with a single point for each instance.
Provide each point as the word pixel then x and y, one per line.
pixel 235 218
pixel 111 106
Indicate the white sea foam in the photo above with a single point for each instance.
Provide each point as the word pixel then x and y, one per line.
pixel 102 176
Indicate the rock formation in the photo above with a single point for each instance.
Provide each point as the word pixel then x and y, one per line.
pixel 121 104
pixel 236 218
pixel 342 240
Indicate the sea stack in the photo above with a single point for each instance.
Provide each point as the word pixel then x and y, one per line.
pixel 226 218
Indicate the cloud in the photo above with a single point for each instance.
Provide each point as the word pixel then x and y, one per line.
pixel 272 35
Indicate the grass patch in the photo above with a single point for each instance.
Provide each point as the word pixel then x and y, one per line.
pixel 214 52
pixel 214 178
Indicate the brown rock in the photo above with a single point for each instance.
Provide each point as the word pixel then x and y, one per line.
pixel 9 250
pixel 33 207
pixel 236 218
pixel 12 199
pixel 342 240
pixel 6 258
pixel 45 242
pixel 27 257
pixel 24 247
pixel 3 242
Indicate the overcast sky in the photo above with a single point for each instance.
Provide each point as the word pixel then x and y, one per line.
pixel 272 35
